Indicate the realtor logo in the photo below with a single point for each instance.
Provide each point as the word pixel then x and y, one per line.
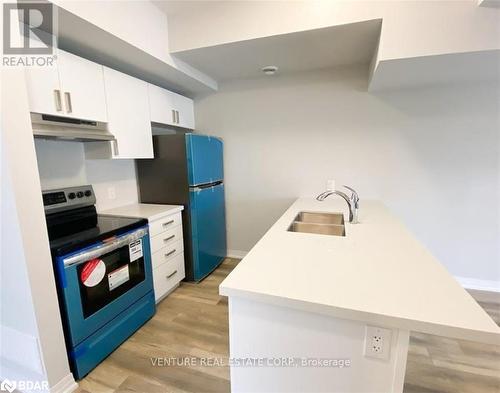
pixel 7 386
pixel 37 28
pixel 29 30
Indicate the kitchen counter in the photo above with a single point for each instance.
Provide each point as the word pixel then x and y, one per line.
pixel 144 210
pixel 378 273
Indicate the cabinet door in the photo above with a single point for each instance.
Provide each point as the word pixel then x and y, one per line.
pixel 161 104
pixel 128 115
pixel 82 87
pixel 185 111
pixel 44 92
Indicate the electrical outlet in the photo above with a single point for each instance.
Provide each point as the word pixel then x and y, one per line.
pixel 377 342
pixel 111 192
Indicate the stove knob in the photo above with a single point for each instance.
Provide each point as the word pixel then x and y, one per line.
pixel 88 193
pixel 71 195
pixel 79 194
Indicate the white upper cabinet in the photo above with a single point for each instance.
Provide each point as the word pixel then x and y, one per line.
pixel 44 90
pixel 170 108
pixel 185 111
pixel 82 87
pixel 72 88
pixel 128 119
pixel 161 105
pixel 79 88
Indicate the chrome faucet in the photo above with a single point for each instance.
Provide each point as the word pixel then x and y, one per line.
pixel 352 202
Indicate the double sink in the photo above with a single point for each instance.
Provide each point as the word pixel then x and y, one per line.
pixel 319 223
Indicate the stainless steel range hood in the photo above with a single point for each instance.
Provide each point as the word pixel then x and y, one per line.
pixel 69 129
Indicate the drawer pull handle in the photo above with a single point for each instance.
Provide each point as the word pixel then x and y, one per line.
pixel 170 252
pixel 57 98
pixel 166 224
pixel 69 106
pixel 172 274
pixel 169 238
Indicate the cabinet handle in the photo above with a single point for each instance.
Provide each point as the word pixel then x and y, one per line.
pixel 178 117
pixel 170 252
pixel 166 224
pixel 115 147
pixel 69 107
pixel 173 116
pixel 172 274
pixel 57 99
pixel 169 238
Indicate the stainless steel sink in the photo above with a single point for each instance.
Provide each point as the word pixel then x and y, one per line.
pixel 320 229
pixel 320 218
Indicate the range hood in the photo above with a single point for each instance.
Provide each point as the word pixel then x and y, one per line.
pixel 69 129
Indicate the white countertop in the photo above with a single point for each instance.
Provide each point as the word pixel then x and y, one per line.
pixel 144 210
pixel 378 273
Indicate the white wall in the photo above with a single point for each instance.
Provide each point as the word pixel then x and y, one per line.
pixel 33 346
pixel 63 164
pixel 17 315
pixel 431 155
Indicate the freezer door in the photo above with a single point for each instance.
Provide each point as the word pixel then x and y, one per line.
pixel 208 229
pixel 204 159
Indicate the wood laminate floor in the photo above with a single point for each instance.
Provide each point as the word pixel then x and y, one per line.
pixel 191 326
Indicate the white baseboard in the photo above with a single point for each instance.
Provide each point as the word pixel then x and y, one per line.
pixel 238 254
pixel 65 385
pixel 479 285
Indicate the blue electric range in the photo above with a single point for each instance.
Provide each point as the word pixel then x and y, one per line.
pixel 103 274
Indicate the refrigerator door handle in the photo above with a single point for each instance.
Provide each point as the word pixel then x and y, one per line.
pixel 200 187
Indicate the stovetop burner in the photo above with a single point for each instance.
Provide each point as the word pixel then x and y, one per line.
pixel 73 222
pixel 105 228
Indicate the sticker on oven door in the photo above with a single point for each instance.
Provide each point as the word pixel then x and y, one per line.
pixel 93 272
pixel 135 250
pixel 118 277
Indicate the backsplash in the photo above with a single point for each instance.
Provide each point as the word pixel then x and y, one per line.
pixel 63 164
pixel 60 164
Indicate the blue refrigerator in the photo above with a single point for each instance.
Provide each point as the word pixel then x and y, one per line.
pixel 188 170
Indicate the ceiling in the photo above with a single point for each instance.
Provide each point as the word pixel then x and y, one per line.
pixel 324 48
pixel 181 7
pixel 448 69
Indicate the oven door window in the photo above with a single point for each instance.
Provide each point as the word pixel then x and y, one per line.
pixel 109 276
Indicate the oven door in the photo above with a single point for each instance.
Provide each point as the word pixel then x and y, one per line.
pixel 101 281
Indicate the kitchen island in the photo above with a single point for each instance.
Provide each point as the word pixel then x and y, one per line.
pixel 323 313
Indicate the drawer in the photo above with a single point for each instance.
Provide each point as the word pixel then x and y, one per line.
pixel 166 238
pixel 168 275
pixel 164 224
pixel 166 253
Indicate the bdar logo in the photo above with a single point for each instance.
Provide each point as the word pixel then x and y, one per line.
pixel 7 386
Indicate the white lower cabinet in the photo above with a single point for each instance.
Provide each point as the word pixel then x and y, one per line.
pixel 167 276
pixel 164 239
pixel 167 254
